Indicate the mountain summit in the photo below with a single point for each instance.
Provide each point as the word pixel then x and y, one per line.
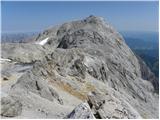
pixel 80 69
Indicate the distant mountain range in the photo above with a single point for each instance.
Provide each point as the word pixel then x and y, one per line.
pixel 17 37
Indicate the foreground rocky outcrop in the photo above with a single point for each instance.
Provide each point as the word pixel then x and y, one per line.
pixel 84 69
pixel 82 111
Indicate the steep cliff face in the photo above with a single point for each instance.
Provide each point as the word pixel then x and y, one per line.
pixel 147 74
pixel 83 57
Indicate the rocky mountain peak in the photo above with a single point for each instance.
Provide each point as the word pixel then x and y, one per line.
pixel 94 19
pixel 74 59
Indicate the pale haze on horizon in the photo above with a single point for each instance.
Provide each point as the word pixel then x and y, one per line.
pixel 36 16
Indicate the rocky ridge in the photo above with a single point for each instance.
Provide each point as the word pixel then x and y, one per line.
pixel 85 65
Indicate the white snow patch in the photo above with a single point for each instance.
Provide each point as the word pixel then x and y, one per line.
pixel 3 60
pixel 43 42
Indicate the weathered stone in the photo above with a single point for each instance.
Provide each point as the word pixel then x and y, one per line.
pixel 10 107
pixel 148 75
pixel 96 100
pixel 55 95
pixel 82 111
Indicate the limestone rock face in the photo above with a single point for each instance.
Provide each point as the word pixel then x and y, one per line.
pixel 22 52
pixel 148 75
pixel 104 107
pixel 10 107
pixel 86 60
pixel 37 85
pixel 82 111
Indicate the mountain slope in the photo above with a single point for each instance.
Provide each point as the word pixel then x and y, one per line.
pixel 145 45
pixel 83 57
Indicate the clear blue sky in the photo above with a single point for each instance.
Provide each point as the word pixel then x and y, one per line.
pixel 36 16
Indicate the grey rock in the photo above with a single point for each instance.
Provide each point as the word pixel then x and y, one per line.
pixel 10 107
pixel 148 75
pixel 96 102
pixel 31 82
pixel 82 111
pixel 55 95
pixel 22 52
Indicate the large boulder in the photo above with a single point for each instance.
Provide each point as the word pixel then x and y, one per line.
pixel 82 111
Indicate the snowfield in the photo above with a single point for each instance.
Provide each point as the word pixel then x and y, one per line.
pixel 43 42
